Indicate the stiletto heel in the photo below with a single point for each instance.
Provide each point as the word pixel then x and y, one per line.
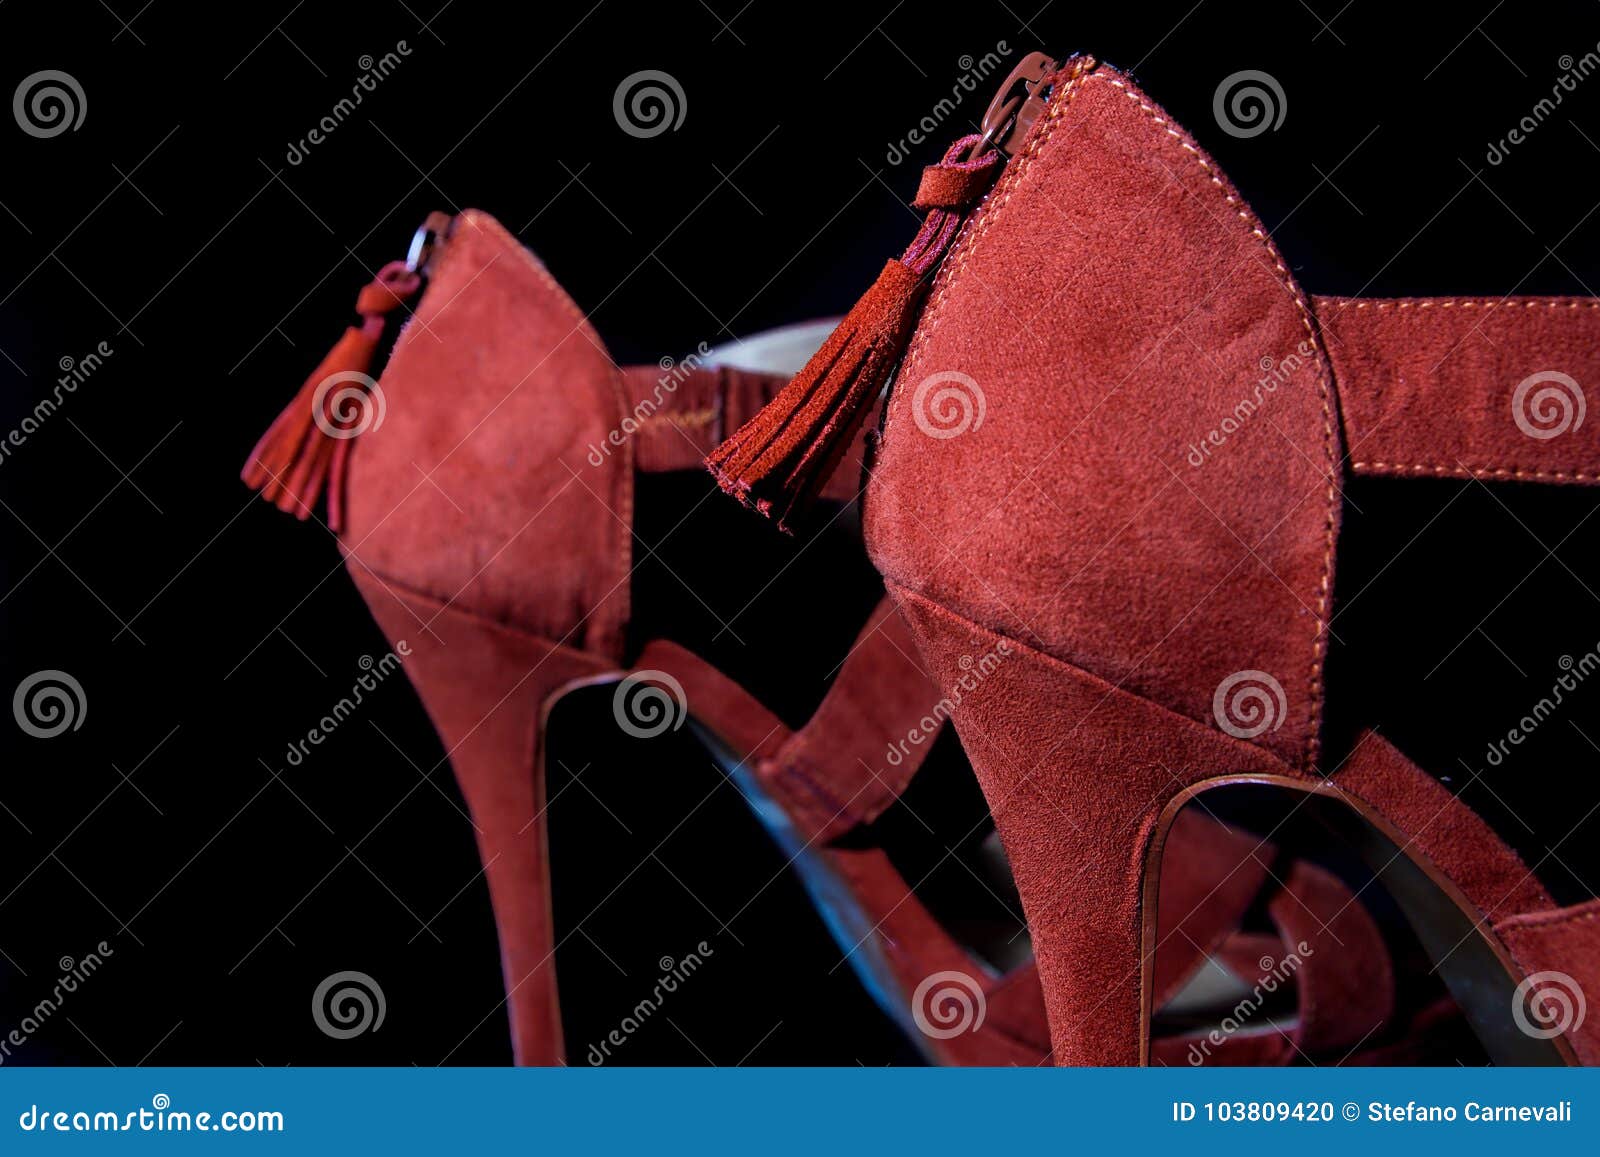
pixel 484 686
pixel 1048 741
pixel 488 492
pixel 1116 456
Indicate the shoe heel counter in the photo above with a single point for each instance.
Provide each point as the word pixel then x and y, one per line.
pixel 1114 435
pixel 1077 774
pixel 482 484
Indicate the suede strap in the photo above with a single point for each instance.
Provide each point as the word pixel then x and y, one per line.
pixel 1489 388
pixel 838 769
pixel 678 415
pixel 868 737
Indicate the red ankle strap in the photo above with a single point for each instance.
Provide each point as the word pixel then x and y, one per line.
pixel 678 413
pixel 861 748
pixel 1467 387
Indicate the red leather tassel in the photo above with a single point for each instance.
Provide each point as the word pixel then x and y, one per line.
pixel 779 460
pixel 305 451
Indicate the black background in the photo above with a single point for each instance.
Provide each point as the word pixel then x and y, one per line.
pixel 207 630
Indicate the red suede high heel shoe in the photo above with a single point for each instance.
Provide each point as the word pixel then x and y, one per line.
pixel 1118 447
pixel 486 516
pixel 480 487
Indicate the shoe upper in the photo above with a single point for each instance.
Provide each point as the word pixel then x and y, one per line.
pixel 477 487
pixel 1113 436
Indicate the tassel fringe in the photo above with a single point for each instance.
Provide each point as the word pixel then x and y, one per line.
pixel 304 453
pixel 778 461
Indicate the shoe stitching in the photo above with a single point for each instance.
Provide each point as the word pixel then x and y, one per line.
pixel 1519 473
pixel 1329 435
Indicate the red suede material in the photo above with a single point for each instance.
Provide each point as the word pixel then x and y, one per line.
pixel 299 453
pixel 1436 1034
pixel 1112 301
pixel 483 685
pixel 1441 828
pixel 1076 772
pixel 1429 387
pixel 677 415
pixel 948 186
pixel 1345 985
pixel 1216 873
pixel 780 460
pixel 835 773
pixel 1016 1009
pixel 1145 493
pixel 282 464
pixel 533 545
pixel 917 947
pixel 1263 1047
pixel 495 392
pixel 717 701
pixel 1327 946
pixel 1565 941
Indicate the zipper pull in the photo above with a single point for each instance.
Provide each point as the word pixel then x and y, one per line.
pixel 778 462
pixel 1019 102
pixel 307 449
